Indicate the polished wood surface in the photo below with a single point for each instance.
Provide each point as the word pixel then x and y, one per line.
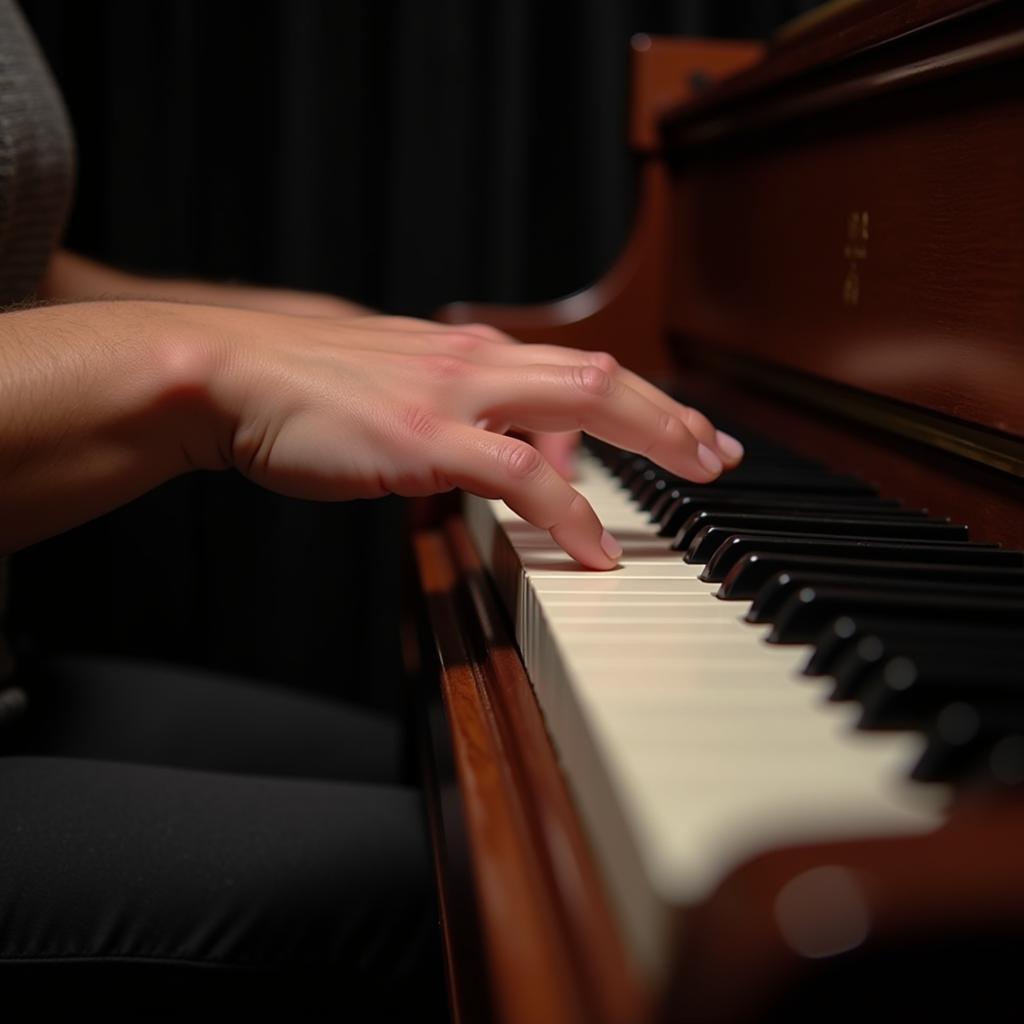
pixel 753 263
pixel 667 72
pixel 991 502
pixel 862 36
pixel 914 906
pixel 867 226
pixel 550 944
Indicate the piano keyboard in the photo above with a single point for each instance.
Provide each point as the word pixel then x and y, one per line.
pixel 676 689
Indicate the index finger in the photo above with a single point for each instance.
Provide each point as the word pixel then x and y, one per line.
pixel 495 466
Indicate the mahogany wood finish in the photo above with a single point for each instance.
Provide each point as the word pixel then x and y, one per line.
pixel 909 111
pixel 551 947
pixel 624 310
pixel 667 72
pixel 864 222
pixel 853 32
pixel 921 906
pixel 989 501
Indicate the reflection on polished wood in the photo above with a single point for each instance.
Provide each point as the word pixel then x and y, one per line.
pixel 830 245
pixel 554 952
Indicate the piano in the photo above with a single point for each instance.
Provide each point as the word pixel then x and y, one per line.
pixel 772 765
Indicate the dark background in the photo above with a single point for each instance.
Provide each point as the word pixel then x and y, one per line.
pixel 403 153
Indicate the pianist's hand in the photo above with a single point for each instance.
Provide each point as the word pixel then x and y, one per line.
pixel 74 278
pixel 366 407
pixel 100 401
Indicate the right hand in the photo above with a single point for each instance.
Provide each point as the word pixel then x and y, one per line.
pixel 334 409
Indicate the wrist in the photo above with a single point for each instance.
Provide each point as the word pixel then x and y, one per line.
pixel 99 402
pixel 186 358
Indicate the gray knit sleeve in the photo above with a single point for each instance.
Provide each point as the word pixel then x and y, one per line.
pixel 36 160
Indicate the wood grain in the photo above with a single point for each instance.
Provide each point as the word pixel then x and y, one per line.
pixel 552 948
pixel 910 111
pixel 927 307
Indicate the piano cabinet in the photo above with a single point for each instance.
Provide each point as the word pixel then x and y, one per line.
pixel 830 248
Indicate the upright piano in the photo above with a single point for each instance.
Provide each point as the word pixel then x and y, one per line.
pixel 773 765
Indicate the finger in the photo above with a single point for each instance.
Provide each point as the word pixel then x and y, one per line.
pixel 494 466
pixel 409 324
pixel 559 398
pixel 728 449
pixel 473 342
pixel 487 332
pixel 559 450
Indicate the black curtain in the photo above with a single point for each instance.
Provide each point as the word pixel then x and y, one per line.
pixel 399 152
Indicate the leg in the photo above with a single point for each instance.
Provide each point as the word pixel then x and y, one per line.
pixel 159 890
pixel 123 710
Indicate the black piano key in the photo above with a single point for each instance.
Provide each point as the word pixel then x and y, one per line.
pixel 904 690
pixel 962 734
pixel 632 468
pixel 760 471
pixel 783 585
pixel 697 541
pixel 656 491
pixel 854 663
pixel 740 499
pixel 759 453
pixel 834 644
pixel 770 470
pixel 656 496
pixel 709 542
pixel 804 615
pixel 736 546
pixel 889 678
pixel 775 481
pixel 703 532
pixel 752 571
pixel 774 478
pixel 751 502
pixel 643 481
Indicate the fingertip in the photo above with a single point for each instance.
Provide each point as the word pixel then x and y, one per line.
pixel 610 546
pixel 731 449
pixel 593 548
pixel 709 460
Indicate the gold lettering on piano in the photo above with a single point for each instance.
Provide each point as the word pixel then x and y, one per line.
pixel 855 251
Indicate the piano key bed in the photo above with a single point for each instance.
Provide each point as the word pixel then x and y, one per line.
pixel 783 657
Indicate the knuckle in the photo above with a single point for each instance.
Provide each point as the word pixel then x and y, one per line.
pixel 486 332
pixel 461 342
pixel 520 460
pixel 672 430
pixel 592 381
pixel 579 508
pixel 604 361
pixel 697 420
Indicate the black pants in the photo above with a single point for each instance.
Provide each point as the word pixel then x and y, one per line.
pixel 176 843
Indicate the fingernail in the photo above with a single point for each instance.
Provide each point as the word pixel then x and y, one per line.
pixel 610 546
pixel 729 445
pixel 708 459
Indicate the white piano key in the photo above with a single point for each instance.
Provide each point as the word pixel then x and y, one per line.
pixel 689 743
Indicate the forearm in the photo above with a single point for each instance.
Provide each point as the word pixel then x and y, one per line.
pixel 99 402
pixel 73 278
